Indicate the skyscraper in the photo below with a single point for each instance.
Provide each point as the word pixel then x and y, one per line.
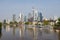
pixel 35 14
pixel 25 19
pixel 4 21
pixel 14 17
pixel 21 17
pixel 30 17
pixel 40 17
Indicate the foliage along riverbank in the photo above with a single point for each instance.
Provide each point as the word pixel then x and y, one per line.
pixel 0 24
pixel 57 25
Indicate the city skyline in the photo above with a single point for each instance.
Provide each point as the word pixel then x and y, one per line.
pixel 49 8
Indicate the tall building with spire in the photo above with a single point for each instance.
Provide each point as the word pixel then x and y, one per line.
pixel 21 17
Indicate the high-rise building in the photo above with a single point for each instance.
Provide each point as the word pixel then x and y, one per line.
pixel 14 17
pixel 35 14
pixel 40 17
pixel 7 21
pixel 4 21
pixel 21 17
pixel 25 19
pixel 30 17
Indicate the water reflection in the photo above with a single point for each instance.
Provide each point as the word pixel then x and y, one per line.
pixel 14 30
pixel 4 26
pixel 35 33
pixel 22 32
pixel 7 28
pixel 28 32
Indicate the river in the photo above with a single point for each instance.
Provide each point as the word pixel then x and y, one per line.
pixel 28 32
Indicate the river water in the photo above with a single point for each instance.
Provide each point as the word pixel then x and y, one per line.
pixel 28 32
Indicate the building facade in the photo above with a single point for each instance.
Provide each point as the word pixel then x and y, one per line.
pixel 14 17
pixel 35 14
pixel 25 19
pixel 21 17
pixel 40 17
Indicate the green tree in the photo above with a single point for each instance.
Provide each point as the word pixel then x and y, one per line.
pixel 11 22
pixel 0 24
pixel 57 25
pixel 58 21
pixel 15 22
pixel 27 23
pixel 45 22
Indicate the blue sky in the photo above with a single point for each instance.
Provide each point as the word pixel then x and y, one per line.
pixel 49 8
